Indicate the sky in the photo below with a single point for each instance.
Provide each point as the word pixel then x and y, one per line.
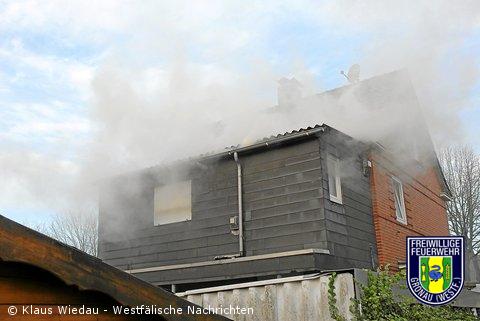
pixel 81 81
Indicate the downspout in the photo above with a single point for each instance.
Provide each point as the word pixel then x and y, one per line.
pixel 241 249
pixel 240 204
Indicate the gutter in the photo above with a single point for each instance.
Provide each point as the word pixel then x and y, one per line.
pixel 198 160
pixel 278 140
pixel 266 144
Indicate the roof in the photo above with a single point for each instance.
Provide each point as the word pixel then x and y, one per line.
pixel 393 89
pixel 290 133
pixel 271 140
pixel 266 142
pixel 23 245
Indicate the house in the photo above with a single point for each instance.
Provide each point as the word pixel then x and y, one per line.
pixel 41 278
pixel 307 200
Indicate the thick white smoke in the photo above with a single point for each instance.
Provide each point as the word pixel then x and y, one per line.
pixel 182 79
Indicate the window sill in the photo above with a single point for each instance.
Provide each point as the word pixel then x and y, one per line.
pixel 169 223
pixel 336 200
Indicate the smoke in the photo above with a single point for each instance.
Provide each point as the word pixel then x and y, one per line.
pixel 154 115
pixel 29 173
pixel 179 80
pixel 151 116
pixel 437 47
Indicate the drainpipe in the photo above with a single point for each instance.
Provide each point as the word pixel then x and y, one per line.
pixel 240 204
pixel 372 257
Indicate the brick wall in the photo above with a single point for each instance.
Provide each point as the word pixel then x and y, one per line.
pixel 426 213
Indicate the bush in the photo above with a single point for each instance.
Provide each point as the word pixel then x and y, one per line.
pixel 379 303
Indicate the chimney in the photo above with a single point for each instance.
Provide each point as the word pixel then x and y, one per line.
pixel 289 92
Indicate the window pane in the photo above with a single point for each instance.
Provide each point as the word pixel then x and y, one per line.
pixel 172 203
pixel 334 184
pixel 397 204
pixel 399 201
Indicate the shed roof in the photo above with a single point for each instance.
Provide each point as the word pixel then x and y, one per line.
pixel 24 245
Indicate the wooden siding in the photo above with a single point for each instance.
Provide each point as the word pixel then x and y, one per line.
pixel 65 267
pixel 24 285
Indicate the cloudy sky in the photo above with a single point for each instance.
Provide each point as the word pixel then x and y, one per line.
pixel 82 82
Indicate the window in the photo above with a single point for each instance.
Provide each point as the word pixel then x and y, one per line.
pixel 334 183
pixel 399 201
pixel 173 203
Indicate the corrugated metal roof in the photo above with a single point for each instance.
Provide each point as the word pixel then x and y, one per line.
pixel 286 134
pixel 263 140
pixel 297 298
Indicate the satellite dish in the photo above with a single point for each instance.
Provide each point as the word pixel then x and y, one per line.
pixel 353 74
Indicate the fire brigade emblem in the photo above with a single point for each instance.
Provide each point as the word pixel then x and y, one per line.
pixel 435 268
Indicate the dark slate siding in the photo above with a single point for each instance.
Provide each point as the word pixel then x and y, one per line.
pixel 286 207
pixel 283 209
pixel 137 243
pixel 283 199
pixel 350 230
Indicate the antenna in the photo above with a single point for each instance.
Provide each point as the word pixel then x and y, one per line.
pixel 345 75
pixel 353 74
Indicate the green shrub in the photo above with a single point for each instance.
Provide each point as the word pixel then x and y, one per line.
pixel 379 303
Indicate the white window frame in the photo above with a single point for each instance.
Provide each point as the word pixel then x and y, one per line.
pixel 400 210
pixel 186 214
pixel 335 170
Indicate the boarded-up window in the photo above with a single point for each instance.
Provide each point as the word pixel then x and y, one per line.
pixel 173 203
pixel 334 182
pixel 399 201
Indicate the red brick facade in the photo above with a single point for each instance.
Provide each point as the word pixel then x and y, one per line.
pixel 425 209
